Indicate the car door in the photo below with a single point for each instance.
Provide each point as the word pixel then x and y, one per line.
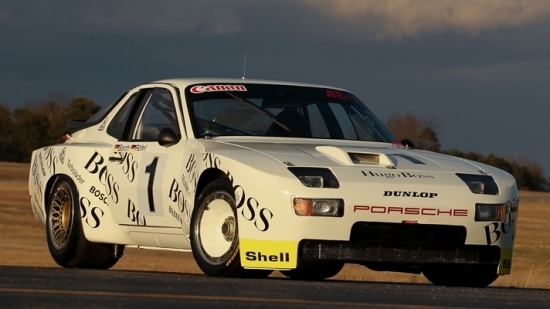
pixel 145 170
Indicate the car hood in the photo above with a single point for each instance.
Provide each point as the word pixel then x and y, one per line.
pixel 315 153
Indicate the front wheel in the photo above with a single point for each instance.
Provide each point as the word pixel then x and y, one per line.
pixel 215 233
pixel 461 275
pixel 66 242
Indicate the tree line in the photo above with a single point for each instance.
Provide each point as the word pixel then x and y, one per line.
pixel 423 132
pixel 36 125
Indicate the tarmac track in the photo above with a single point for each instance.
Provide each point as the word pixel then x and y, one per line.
pixel 35 287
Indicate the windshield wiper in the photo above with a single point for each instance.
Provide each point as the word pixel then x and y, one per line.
pixel 265 112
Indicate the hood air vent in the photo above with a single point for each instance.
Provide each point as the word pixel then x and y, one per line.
pixel 364 158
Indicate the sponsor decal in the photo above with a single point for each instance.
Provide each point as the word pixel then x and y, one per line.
pixel 129 166
pixel 281 254
pixel 121 148
pixel 62 155
pixel 192 175
pixel 134 215
pixel 251 211
pixel 259 256
pixel 138 147
pixel 51 159
pixel 41 165
pixel 36 207
pixel 100 196
pixel 75 173
pixel 410 194
pixel 248 207
pixel 495 230
pixel 505 265
pixel 175 214
pixel 90 214
pixel 415 211
pixel 96 166
pixel 214 88
pixel 37 174
pixel 103 124
pixel 335 94
pixel 176 195
pixel 397 175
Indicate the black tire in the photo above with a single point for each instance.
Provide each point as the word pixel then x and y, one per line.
pixel 314 272
pixel 66 241
pixel 461 275
pixel 215 233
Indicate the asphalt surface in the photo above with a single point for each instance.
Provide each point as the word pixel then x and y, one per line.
pixel 34 287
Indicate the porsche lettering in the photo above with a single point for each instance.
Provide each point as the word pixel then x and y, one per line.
pixel 416 211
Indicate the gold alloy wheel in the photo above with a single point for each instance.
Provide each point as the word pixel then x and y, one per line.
pixel 60 216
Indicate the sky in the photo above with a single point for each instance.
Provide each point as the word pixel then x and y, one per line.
pixel 481 69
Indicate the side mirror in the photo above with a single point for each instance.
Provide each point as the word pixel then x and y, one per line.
pixel 407 143
pixel 167 137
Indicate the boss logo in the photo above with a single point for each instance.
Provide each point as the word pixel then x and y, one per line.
pixel 410 194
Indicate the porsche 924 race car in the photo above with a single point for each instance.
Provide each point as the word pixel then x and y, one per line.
pixel 253 176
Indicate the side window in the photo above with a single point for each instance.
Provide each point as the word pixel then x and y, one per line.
pixel 159 113
pixel 118 124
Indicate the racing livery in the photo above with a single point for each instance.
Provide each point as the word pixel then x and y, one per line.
pixel 253 176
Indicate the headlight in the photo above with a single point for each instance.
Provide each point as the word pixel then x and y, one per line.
pixel 491 212
pixel 480 184
pixel 319 207
pixel 314 177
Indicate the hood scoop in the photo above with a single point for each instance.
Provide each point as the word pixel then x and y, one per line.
pixel 357 158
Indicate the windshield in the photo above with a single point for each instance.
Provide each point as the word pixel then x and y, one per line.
pixel 283 111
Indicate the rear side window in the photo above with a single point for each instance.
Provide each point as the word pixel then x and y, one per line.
pixel 118 124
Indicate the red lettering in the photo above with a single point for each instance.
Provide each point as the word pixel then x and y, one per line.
pixel 381 210
pixel 412 211
pixel 356 208
pixel 331 94
pixel 460 212
pixel 398 210
pixel 426 213
pixel 449 212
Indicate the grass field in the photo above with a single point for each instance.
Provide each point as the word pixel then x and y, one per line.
pixel 25 243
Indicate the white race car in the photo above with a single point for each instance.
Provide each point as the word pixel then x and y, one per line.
pixel 253 176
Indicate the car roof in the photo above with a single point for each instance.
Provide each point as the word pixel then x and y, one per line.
pixel 184 82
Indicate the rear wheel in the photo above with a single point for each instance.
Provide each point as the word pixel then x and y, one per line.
pixel 66 242
pixel 461 275
pixel 314 272
pixel 215 233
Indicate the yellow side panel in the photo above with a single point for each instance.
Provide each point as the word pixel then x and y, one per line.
pixel 270 254
pixel 505 264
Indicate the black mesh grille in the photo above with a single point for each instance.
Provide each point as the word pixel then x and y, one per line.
pixel 401 243
pixel 407 234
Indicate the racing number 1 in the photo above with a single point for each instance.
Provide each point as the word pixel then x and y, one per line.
pixel 151 169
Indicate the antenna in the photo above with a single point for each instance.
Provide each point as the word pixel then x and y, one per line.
pixel 244 71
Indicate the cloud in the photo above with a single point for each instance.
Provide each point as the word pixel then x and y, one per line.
pixel 519 71
pixel 406 18
pixel 4 15
pixel 153 17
